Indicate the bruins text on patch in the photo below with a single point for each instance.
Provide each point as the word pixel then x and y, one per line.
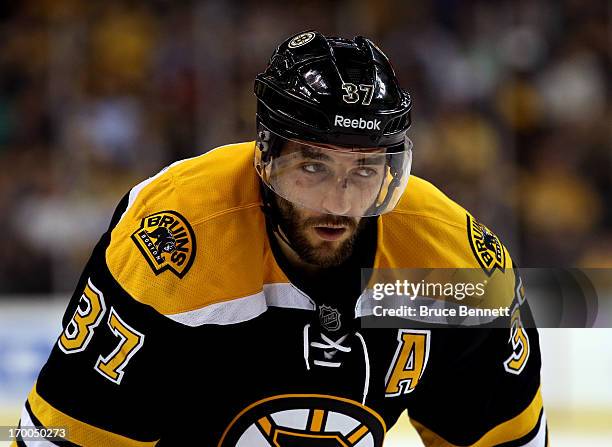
pixel 487 247
pixel 167 242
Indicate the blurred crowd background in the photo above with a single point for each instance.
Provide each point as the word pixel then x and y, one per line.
pixel 512 112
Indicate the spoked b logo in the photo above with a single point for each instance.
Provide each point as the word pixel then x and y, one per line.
pixel 305 420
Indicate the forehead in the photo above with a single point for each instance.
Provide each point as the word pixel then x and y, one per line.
pixel 320 150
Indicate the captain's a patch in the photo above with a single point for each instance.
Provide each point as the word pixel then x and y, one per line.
pixel 488 249
pixel 167 242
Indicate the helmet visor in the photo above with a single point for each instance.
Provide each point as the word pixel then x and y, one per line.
pixel 344 181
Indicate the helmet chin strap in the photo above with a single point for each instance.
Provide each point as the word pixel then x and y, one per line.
pixel 271 212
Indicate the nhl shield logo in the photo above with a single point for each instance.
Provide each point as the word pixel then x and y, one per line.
pixel 329 318
pixel 488 249
pixel 167 242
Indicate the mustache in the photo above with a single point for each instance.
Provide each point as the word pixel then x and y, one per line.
pixel 331 220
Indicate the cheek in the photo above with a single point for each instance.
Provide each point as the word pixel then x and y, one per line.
pixel 294 183
pixel 300 214
pixel 297 217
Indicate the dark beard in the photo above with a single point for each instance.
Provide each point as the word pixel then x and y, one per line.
pixel 294 230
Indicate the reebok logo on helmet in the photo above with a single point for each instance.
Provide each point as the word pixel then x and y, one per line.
pixel 340 121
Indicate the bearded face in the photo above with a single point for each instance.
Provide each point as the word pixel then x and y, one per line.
pixel 324 240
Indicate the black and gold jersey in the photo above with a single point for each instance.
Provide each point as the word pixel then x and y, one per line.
pixel 185 329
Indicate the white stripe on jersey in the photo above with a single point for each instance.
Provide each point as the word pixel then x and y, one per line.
pixel 238 310
pixel 26 422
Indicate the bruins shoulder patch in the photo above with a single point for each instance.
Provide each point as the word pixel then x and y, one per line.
pixel 167 242
pixel 488 249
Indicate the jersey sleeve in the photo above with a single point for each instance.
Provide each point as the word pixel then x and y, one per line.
pixel 101 383
pixel 485 387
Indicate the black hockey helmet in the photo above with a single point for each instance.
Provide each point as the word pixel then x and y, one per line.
pixel 337 95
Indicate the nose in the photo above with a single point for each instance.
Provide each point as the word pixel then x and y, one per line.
pixel 336 199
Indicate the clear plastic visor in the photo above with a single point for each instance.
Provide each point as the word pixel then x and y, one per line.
pixel 356 182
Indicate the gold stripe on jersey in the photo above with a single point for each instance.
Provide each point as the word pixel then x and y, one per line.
pixel 509 430
pixel 79 432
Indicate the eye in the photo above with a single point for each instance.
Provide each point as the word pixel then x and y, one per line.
pixel 365 172
pixel 314 168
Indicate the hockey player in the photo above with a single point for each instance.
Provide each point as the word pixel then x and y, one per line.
pixel 224 305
